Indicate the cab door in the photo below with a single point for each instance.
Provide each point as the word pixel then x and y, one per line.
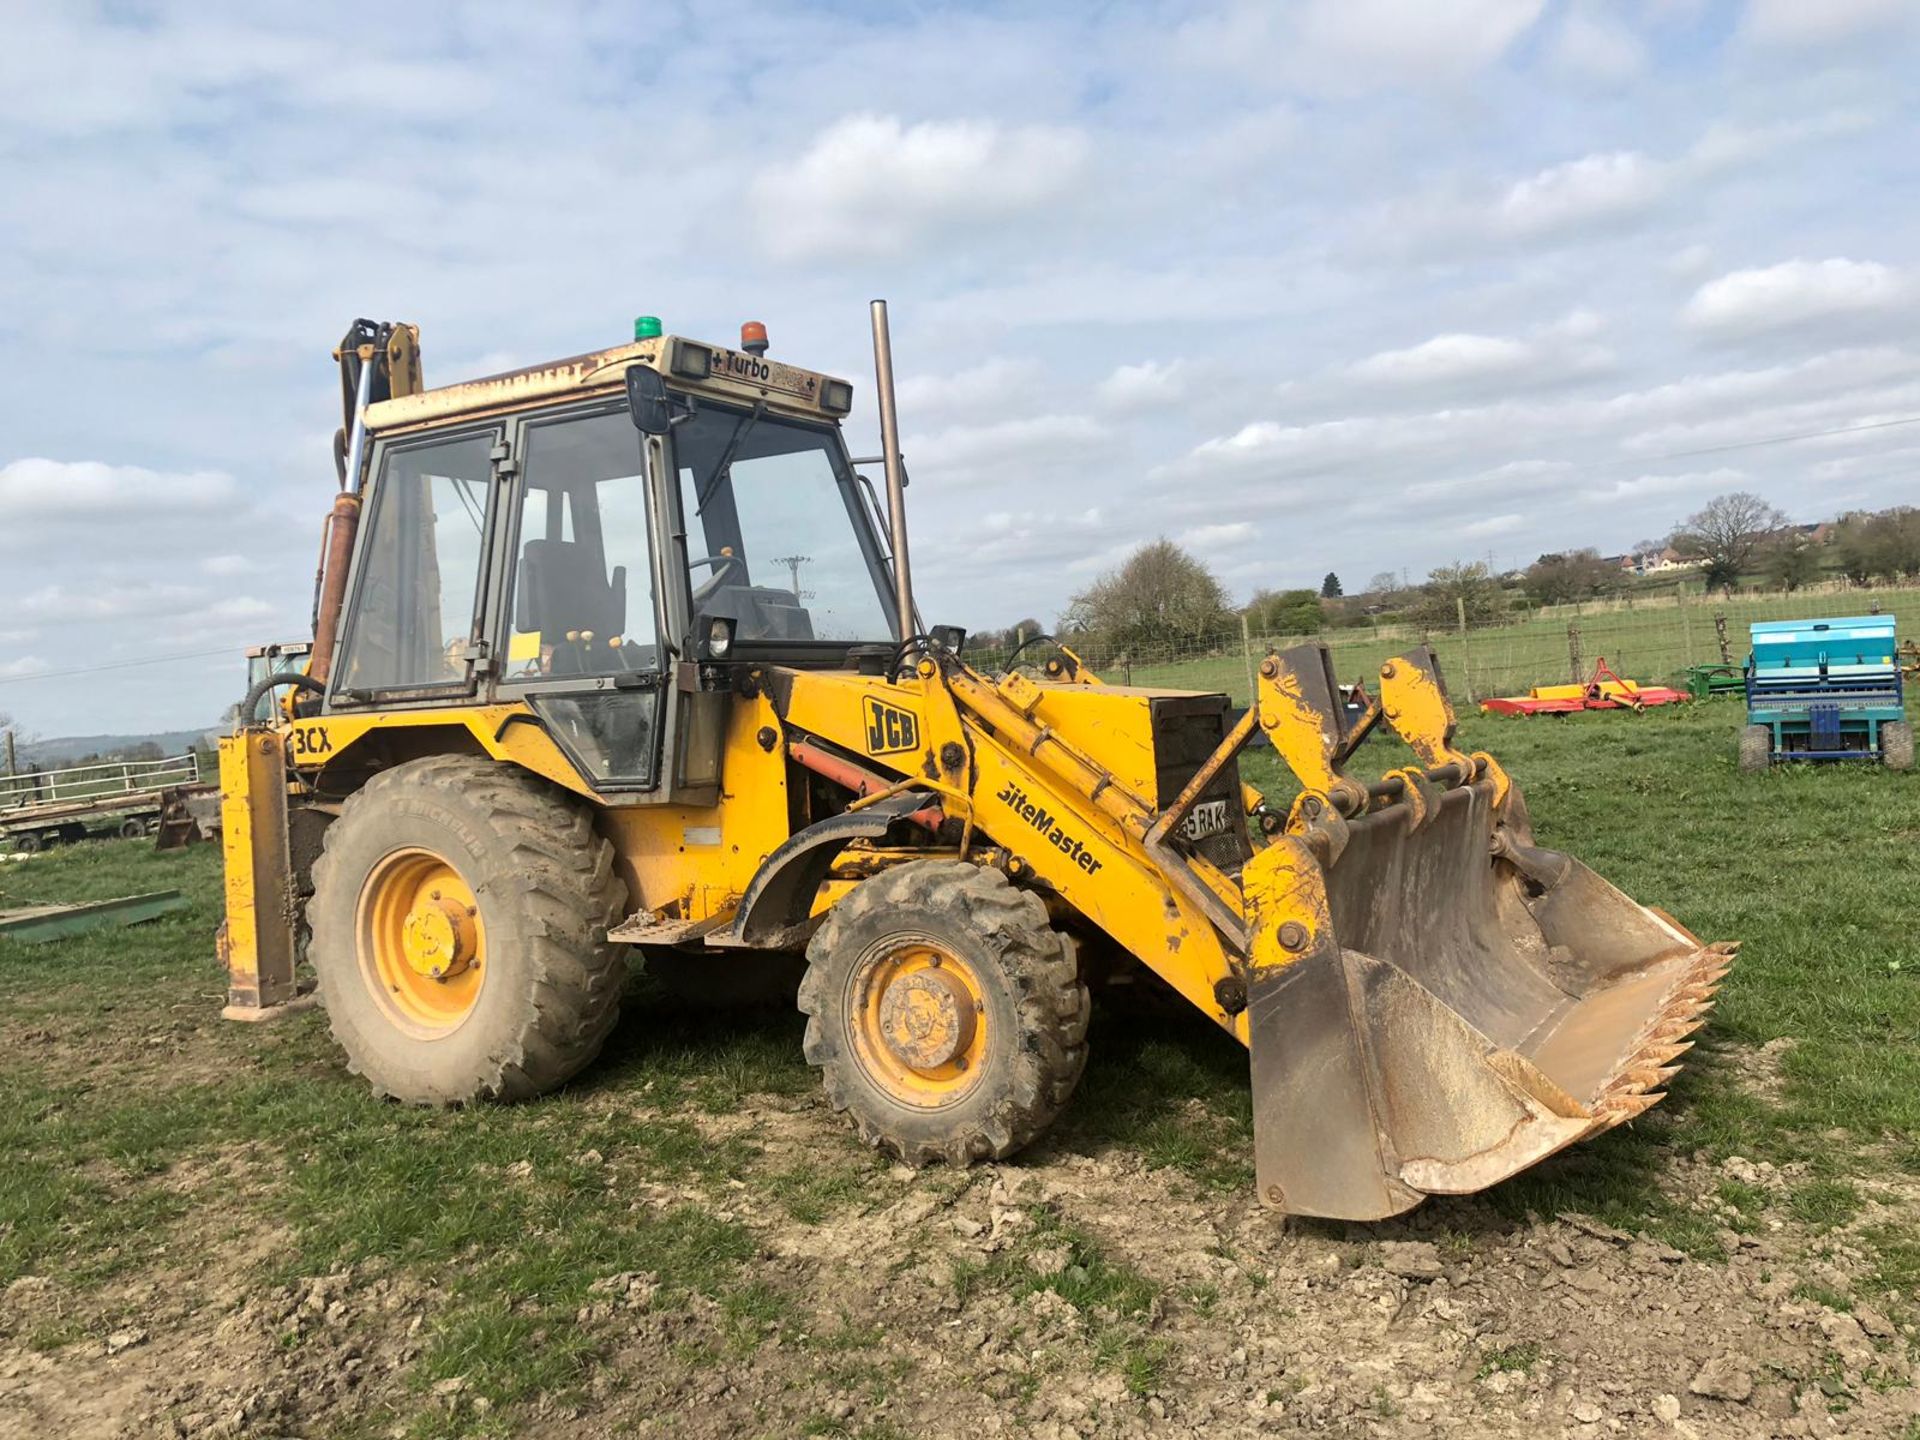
pixel 581 635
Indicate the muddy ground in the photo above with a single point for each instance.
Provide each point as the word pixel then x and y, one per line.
pixel 1076 1294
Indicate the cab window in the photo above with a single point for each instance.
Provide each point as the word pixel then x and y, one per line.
pixel 415 606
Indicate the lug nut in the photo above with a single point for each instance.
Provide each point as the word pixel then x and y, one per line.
pixel 1293 936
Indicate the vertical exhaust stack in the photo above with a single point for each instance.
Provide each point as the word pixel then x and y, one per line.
pixel 896 472
pixel 377 362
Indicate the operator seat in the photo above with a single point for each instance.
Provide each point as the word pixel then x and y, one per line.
pixel 562 589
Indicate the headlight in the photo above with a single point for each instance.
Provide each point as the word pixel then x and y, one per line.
pixel 836 397
pixel 691 362
pixel 719 638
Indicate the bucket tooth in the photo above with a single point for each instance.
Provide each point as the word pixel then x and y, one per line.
pixel 1655 1054
pixel 1619 1110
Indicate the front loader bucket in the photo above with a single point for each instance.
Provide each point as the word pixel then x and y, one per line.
pixel 1467 1006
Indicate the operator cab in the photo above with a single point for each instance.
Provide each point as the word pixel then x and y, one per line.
pixel 533 537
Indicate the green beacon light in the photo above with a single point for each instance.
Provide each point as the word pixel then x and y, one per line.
pixel 646 327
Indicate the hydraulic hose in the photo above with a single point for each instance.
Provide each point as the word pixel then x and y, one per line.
pixel 260 689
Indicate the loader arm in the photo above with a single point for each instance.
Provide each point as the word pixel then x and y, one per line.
pixel 1431 1002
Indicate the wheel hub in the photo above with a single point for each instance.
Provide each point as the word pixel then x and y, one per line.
pixel 437 937
pixel 927 1018
pixel 422 943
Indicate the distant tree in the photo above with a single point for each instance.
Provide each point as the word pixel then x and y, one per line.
pixel 1644 550
pixel 1878 545
pixel 1727 535
pixel 1561 577
pixel 1386 582
pixel 1161 595
pixel 1330 587
pixel 145 750
pixel 1286 612
pixel 1790 560
pixel 1450 586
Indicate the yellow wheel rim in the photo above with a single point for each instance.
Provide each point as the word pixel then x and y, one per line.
pixel 422 943
pixel 919 1017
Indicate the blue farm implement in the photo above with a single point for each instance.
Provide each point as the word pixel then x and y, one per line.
pixel 1825 690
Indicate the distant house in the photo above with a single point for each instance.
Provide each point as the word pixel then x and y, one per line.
pixel 1667 559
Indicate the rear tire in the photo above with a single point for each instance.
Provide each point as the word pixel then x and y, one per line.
pixel 539 982
pixel 1756 748
pixel 968 936
pixel 1896 745
pixel 29 843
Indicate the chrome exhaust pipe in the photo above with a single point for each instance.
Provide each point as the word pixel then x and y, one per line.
pixel 896 471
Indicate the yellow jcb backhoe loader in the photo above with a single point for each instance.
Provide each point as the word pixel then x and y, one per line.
pixel 622 651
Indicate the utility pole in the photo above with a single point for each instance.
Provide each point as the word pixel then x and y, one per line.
pixel 793 564
pixel 13 767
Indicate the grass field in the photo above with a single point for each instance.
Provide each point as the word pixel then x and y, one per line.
pixel 149 1145
pixel 1652 642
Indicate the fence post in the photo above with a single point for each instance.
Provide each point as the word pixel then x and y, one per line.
pixel 1246 649
pixel 1577 670
pixel 1720 629
pixel 1466 650
pixel 1686 624
pixel 13 766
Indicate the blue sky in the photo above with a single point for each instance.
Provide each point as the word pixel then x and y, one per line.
pixel 1359 285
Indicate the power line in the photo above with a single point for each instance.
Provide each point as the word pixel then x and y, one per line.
pixel 1770 440
pixel 116 665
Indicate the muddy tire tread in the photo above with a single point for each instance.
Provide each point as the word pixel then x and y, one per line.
pixel 567 888
pixel 1051 1001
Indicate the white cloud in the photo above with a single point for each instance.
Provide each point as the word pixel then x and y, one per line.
pixel 1641 487
pixel 1494 525
pixel 25 665
pixel 1580 324
pixel 1513 478
pixel 1581 193
pixel 1690 262
pixel 1410 40
pixel 1594 45
pixel 1444 358
pixel 1207 537
pixel 1797 23
pixel 150 599
pixel 984 389
pixel 1794 293
pixel 226 566
pixel 1007 445
pixel 1148 383
pixel 870 185
pixel 34 490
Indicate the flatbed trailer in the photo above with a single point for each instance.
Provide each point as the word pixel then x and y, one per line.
pixel 55 807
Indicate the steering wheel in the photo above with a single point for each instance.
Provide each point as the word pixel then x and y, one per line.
pixel 724 564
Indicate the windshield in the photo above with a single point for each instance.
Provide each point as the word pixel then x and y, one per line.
pixel 776 538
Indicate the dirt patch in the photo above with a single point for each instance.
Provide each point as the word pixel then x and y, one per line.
pixel 1077 1295
pixel 1759 1069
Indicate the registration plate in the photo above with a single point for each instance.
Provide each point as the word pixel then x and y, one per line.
pixel 1208 818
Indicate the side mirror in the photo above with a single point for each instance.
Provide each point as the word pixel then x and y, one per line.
pixel 648 400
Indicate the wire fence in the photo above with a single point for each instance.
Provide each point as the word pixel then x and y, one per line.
pixel 1648 640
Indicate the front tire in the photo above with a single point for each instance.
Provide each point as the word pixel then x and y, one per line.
pixel 460 917
pixel 1756 748
pixel 947 1017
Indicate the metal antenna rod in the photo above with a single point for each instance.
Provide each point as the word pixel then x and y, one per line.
pixel 896 472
